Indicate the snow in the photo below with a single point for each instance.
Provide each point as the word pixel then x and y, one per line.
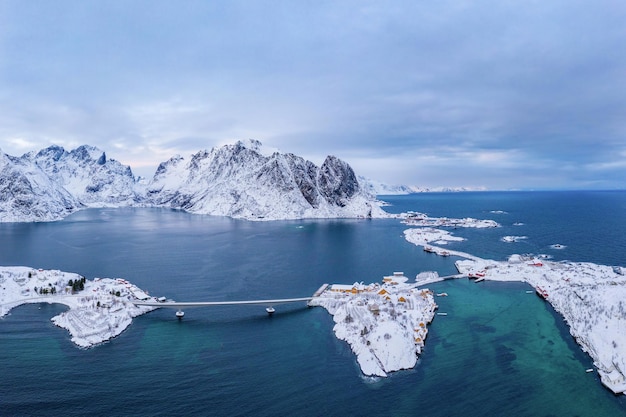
pixel 384 324
pixel 381 188
pixel 513 239
pixel 385 330
pixel 590 297
pixel 241 181
pixel 96 313
pixel 423 220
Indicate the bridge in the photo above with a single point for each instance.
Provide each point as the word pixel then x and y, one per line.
pixel 270 303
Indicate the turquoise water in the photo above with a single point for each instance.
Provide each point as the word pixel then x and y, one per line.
pixel 499 350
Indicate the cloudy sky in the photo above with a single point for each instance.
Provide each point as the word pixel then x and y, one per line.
pixel 501 94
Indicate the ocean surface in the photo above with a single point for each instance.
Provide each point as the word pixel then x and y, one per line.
pixel 499 351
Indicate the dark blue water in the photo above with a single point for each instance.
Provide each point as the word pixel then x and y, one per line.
pixel 590 224
pixel 499 351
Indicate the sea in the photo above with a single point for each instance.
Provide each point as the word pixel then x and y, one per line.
pixel 499 351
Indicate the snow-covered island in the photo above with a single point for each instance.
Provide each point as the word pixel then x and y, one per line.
pixel 512 239
pixel 385 323
pixel 590 297
pixel 413 218
pixel 99 309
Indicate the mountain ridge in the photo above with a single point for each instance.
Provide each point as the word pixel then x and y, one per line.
pixel 235 180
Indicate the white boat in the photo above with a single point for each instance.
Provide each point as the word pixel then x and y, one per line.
pixel 270 310
pixel 180 314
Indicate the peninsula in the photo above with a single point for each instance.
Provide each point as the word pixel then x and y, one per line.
pixel 99 309
pixel 590 297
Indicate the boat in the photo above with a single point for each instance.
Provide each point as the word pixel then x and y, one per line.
pixel 541 292
pixel 180 314
pixel 442 294
pixel 270 310
pixel 442 314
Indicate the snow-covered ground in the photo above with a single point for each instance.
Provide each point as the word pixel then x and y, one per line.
pixel 590 297
pixel 423 220
pixel 97 313
pixel 512 239
pixel 385 324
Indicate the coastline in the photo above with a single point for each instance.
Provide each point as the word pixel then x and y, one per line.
pixel 385 324
pixel 100 311
pixel 588 296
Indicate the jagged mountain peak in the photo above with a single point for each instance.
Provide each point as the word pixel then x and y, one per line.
pixel 239 180
pixel 337 180
pixel 28 194
pixel 88 154
pixel 53 152
pixel 87 174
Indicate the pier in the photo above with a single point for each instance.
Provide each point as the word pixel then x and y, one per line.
pixel 179 305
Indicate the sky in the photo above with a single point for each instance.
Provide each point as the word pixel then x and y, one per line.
pixel 497 94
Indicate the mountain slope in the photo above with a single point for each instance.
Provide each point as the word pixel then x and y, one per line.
pixel 28 194
pixel 380 188
pixel 233 180
pixel 88 175
pixel 239 181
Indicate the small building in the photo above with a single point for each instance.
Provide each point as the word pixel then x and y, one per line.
pixel 396 278
pixel 343 288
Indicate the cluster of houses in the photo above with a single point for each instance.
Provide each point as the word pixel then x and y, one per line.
pixel 385 290
pixel 359 287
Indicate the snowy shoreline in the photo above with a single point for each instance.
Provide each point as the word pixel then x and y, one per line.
pixel 100 311
pixel 591 298
pixel 384 324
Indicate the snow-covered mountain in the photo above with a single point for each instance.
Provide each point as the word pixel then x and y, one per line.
pixel 28 194
pixel 234 180
pixel 88 175
pixel 379 188
pixel 239 181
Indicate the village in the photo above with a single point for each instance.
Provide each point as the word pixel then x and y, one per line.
pixel 384 323
pixel 99 309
